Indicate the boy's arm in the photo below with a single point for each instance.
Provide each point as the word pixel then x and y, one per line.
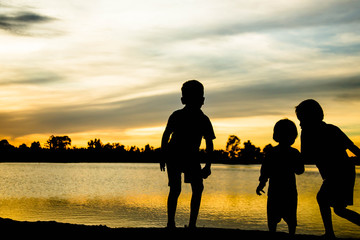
pixel 165 139
pixel 355 150
pixel 164 144
pixel 206 171
pixel 209 135
pixel 350 144
pixel 209 151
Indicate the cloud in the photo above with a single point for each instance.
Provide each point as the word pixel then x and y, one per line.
pixel 347 38
pixel 90 116
pixel 32 77
pixel 260 17
pixel 255 99
pixel 20 22
pixel 277 97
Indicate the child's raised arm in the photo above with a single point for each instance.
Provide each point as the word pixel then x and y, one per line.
pixel 355 150
pixel 350 144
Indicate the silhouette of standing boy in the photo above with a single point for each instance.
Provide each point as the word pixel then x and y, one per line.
pixel 187 127
pixel 326 145
pixel 280 166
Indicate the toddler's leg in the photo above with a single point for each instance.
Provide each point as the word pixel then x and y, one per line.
pixel 272 225
pixel 272 215
pixel 292 229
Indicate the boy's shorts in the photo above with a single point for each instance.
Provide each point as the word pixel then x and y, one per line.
pixel 337 192
pixel 192 174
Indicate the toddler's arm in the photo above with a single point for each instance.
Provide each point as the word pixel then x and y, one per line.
pixel 264 175
pixel 260 188
pixel 299 164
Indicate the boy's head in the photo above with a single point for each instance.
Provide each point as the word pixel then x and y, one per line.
pixel 192 94
pixel 285 132
pixel 309 113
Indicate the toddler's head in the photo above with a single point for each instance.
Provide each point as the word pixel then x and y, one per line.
pixel 285 132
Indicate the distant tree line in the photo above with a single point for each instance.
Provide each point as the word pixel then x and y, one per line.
pixel 59 149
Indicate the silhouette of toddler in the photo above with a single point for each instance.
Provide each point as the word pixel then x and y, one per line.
pixel 280 166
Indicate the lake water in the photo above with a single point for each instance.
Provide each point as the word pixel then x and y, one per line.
pixel 135 195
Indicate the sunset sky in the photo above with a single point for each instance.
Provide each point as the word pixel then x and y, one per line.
pixel 113 69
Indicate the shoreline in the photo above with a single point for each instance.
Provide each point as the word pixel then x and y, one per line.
pixel 46 229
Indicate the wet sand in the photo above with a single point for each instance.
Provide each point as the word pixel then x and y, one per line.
pixel 50 229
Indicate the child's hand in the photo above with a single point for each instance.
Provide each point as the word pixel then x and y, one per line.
pixel 162 166
pixel 205 172
pixel 259 190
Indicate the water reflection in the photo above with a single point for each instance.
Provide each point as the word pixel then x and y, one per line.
pixel 125 195
pixel 98 211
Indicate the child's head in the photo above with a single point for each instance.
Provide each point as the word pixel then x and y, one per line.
pixel 193 94
pixel 285 132
pixel 309 113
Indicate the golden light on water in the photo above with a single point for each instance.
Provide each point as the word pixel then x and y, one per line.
pixel 128 195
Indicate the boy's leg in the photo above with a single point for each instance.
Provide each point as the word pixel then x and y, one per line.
pixel 348 214
pixel 174 175
pixel 172 204
pixel 325 210
pixel 197 189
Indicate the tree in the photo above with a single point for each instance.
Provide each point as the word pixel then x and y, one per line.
pixel 134 149
pixel 91 144
pixel 232 146
pixel 119 147
pixel 35 145
pixel 267 149
pixel 148 148
pixel 23 146
pixel 95 144
pixel 5 145
pixel 108 146
pixel 58 142
pixel 250 153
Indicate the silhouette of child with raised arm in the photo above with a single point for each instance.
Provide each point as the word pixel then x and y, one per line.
pixel 187 127
pixel 326 145
pixel 280 166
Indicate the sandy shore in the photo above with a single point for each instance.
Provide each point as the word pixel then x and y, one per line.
pixel 18 229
